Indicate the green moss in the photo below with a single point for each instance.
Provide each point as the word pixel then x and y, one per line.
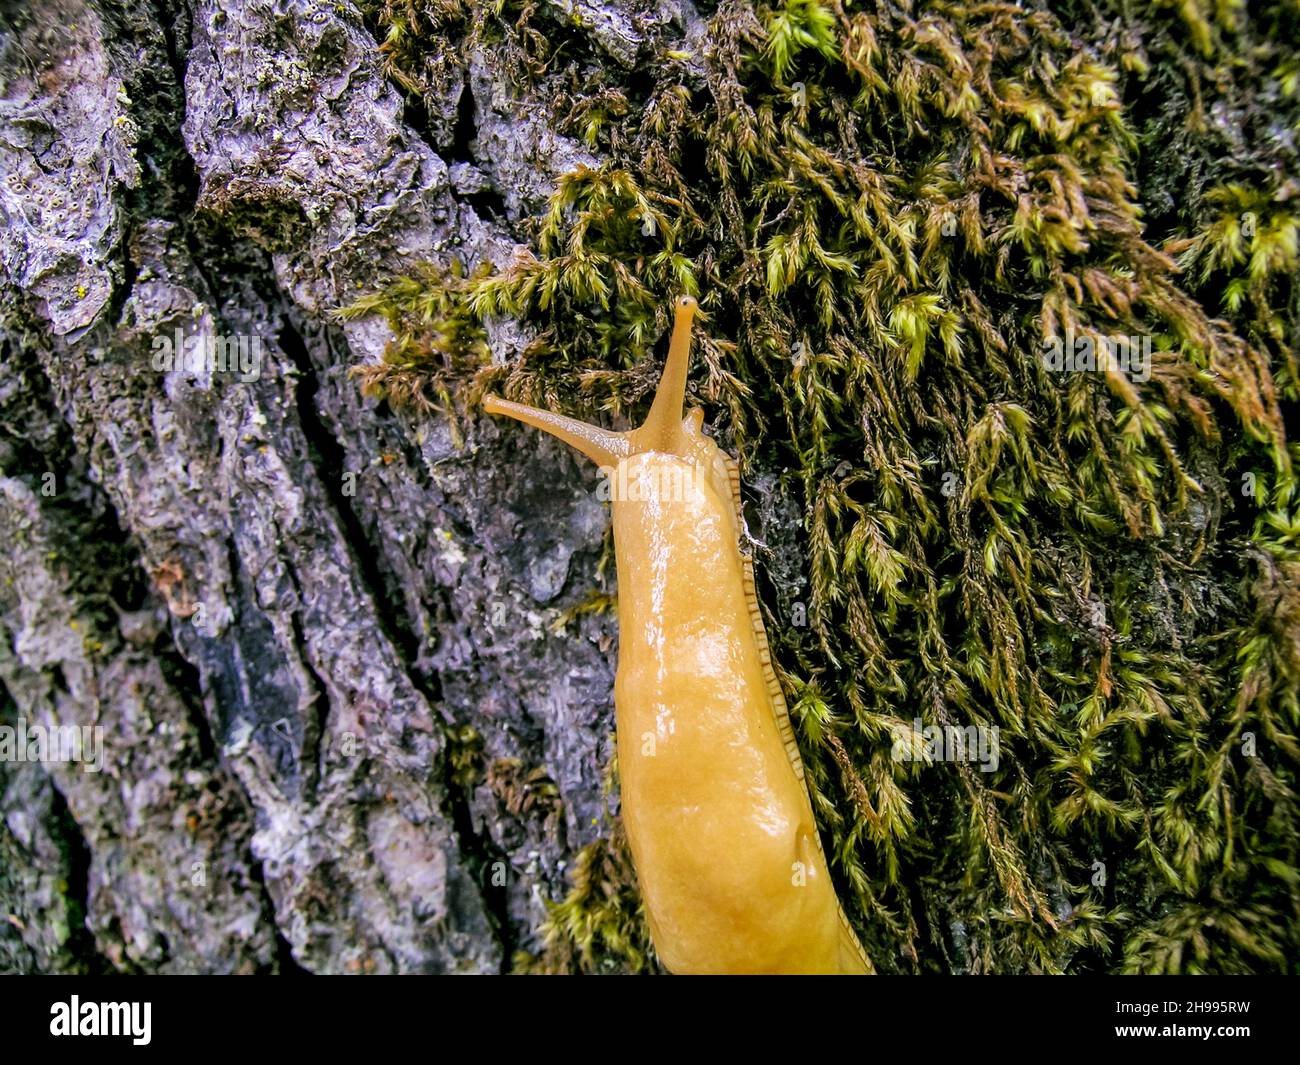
pixel 597 602
pixel 886 215
pixel 600 925
pixel 465 756
pixel 436 340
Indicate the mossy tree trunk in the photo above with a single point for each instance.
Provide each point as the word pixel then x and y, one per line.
pixel 350 645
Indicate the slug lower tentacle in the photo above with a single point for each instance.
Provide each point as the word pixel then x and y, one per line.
pixel 714 800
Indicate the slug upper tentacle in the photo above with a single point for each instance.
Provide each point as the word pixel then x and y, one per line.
pixel 714 800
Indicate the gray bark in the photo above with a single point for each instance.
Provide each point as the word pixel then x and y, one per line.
pixel 281 655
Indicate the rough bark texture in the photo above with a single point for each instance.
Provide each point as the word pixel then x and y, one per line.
pixel 340 733
pixel 277 651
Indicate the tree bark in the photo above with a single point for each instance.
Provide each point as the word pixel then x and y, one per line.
pixel 292 619
pixel 339 732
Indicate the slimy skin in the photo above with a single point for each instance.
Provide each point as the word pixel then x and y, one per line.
pixel 714 800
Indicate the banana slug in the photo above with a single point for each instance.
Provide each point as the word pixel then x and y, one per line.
pixel 714 801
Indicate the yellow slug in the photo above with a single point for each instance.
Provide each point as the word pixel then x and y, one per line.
pixel 715 805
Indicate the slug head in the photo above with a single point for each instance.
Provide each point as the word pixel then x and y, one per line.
pixel 666 430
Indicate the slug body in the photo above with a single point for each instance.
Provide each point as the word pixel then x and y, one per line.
pixel 714 801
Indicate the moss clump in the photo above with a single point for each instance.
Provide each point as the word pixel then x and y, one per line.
pixel 436 340
pixel 600 925
pixel 888 216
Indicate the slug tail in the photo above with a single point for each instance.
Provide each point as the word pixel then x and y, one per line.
pixel 662 429
pixel 602 446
